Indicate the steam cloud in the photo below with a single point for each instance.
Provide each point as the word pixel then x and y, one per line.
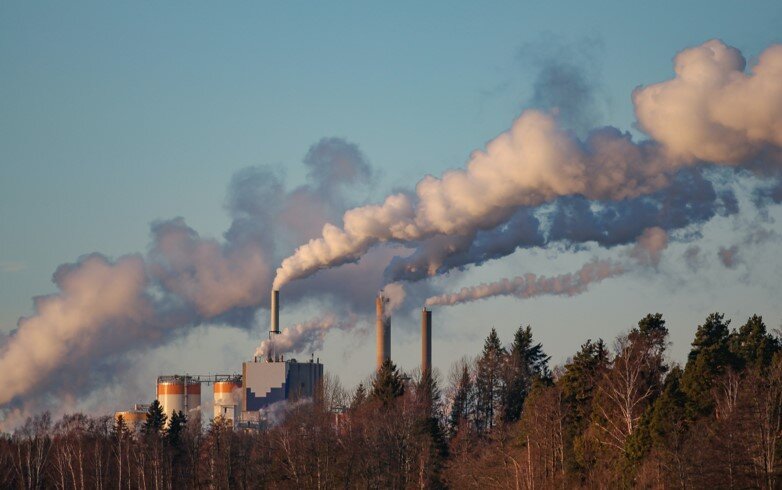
pixel 306 336
pixel 530 285
pixel 78 339
pixel 647 252
pixel 710 111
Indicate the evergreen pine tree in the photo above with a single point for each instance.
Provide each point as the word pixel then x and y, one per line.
pixel 461 406
pixel 578 385
pixel 430 427
pixel 359 397
pixel 388 384
pixel 526 363
pixel 709 358
pixel 120 429
pixel 488 383
pixel 156 419
pixel 176 427
pixel 668 421
pixel 751 346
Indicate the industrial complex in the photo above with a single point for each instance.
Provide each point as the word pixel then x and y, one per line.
pixel 245 400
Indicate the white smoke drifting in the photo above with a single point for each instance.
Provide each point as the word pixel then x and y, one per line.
pixel 306 336
pixel 531 285
pixel 711 110
pixel 101 306
pixel 79 339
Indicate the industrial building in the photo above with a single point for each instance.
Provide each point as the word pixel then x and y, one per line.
pixel 267 383
pixel 245 399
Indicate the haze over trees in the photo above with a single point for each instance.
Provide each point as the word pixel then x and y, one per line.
pixel 615 415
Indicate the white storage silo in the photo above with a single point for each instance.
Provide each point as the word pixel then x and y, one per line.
pixel 227 399
pixel 171 394
pixel 193 400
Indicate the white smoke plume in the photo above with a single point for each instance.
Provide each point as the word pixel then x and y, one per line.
pixel 80 339
pixel 101 306
pixel 531 285
pixel 571 221
pixel 395 293
pixel 306 336
pixel 711 110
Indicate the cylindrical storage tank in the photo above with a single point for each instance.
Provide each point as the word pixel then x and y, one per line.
pixel 227 399
pixel 193 401
pixel 132 418
pixel 171 395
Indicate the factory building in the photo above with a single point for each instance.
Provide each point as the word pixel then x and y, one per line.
pixel 266 383
pixel 246 399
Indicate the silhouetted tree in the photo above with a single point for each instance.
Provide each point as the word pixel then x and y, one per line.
pixel 526 363
pixel 488 383
pixel 156 419
pixel 388 384
pixel 708 359
pixel 461 404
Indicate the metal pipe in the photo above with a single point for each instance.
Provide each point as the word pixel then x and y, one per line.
pixel 275 309
pixel 426 341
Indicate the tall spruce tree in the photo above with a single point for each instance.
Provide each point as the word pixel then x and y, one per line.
pixel 388 384
pixel 709 358
pixel 156 419
pixel 359 397
pixel 751 346
pixel 176 427
pixel 488 383
pixel 526 363
pixel 461 406
pixel 578 384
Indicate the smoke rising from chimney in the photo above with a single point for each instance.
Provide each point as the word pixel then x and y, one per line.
pixel 78 339
pixel 306 336
pixel 531 285
pixel 729 117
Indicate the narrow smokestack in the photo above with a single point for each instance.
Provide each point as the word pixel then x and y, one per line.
pixel 383 330
pixel 426 341
pixel 275 325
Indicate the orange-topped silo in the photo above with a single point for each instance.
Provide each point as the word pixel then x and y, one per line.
pixel 228 399
pixel 179 393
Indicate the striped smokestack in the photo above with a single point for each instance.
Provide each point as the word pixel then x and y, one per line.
pixel 426 341
pixel 275 309
pixel 383 330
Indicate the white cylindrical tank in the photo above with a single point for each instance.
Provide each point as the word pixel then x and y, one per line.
pixel 193 401
pixel 227 399
pixel 171 395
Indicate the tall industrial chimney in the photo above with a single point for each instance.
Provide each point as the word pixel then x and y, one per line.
pixel 275 309
pixel 426 341
pixel 383 330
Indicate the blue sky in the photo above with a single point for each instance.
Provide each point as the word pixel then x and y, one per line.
pixel 113 116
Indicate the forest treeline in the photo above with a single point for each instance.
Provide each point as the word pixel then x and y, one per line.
pixel 613 416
